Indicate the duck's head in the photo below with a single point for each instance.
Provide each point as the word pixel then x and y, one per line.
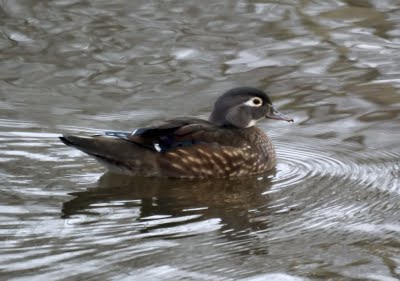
pixel 243 107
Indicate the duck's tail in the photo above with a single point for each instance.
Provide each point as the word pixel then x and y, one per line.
pixel 116 154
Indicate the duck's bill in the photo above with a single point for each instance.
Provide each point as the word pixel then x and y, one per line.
pixel 275 114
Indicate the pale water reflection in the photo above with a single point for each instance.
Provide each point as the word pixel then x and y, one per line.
pixel 330 210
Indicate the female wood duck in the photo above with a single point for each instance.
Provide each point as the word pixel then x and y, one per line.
pixel 227 145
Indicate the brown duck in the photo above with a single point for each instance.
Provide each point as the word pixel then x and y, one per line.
pixel 227 145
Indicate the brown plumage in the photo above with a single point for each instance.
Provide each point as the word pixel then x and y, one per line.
pixel 228 145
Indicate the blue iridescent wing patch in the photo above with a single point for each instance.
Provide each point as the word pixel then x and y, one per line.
pixel 118 134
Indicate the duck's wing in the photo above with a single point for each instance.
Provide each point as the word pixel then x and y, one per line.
pixel 174 133
pixel 166 149
pixel 196 149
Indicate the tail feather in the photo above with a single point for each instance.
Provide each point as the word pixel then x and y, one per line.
pixel 116 154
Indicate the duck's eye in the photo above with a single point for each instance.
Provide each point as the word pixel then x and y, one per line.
pixel 257 101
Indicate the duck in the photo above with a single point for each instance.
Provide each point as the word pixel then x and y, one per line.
pixel 226 145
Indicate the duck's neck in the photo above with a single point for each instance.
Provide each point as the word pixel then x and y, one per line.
pixel 216 119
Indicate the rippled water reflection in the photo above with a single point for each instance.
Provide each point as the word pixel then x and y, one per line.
pixel 331 209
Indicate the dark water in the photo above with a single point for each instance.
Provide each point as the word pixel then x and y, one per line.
pixel 330 211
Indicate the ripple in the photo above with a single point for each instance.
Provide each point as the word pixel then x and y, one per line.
pixel 322 159
pixel 332 185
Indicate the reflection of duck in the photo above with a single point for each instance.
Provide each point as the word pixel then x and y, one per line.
pixel 228 145
pixel 234 202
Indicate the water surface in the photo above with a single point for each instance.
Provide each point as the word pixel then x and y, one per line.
pixel 330 210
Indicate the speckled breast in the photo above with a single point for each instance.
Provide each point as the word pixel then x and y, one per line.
pixel 252 154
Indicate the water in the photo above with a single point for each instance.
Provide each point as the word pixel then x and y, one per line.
pixel 331 209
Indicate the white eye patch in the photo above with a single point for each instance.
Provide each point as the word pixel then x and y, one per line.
pixel 254 102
